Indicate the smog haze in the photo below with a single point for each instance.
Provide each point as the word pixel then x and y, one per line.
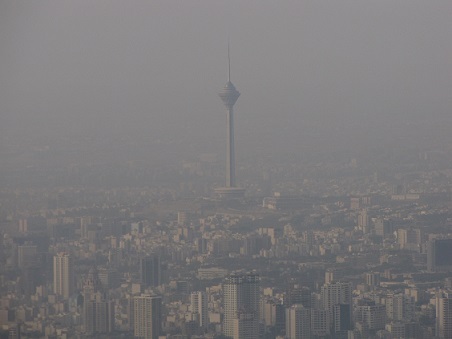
pixel 116 81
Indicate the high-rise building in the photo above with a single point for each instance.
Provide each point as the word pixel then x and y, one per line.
pixel 444 315
pixel 363 221
pixel 298 322
pixel 63 275
pixel 245 325
pixel 27 255
pixel 355 203
pixel 98 314
pixel 147 316
pixel 409 238
pixel 198 305
pixel 404 330
pixel 273 314
pixel 150 271
pixel 98 311
pixel 400 307
pixel 439 255
pixel 30 278
pixel 373 279
pixel 336 293
pixel 371 315
pixel 109 277
pixel 23 226
pixel 336 299
pixel 297 294
pixel 342 320
pixel 320 323
pixel 383 227
pixel 241 303
pixel 229 96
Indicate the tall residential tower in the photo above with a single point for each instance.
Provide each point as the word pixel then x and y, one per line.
pixel 147 315
pixel 241 306
pixel 63 275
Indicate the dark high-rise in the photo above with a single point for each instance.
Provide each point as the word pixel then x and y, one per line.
pixel 439 255
pixel 150 270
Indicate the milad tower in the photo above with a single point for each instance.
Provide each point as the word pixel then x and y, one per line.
pixel 229 96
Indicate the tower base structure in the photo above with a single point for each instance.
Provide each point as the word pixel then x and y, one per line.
pixel 229 193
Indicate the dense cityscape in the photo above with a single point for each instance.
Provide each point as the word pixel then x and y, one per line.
pixel 332 249
pixel 128 211
pixel 325 257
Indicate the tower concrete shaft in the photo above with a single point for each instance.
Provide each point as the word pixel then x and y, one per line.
pixel 229 96
pixel 230 160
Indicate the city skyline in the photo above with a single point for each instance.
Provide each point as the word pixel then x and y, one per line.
pixel 121 215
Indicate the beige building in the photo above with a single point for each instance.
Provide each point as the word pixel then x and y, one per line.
pixel 63 275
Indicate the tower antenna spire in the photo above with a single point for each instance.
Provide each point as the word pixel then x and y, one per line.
pixel 229 64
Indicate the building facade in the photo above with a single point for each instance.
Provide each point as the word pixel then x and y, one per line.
pixel 298 322
pixel 198 305
pixel 63 275
pixel 241 297
pixel 147 316
pixel 150 271
pixel 444 315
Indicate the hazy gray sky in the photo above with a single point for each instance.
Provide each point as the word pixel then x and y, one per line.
pixel 157 66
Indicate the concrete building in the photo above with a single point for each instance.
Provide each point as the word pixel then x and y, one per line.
pixel 410 239
pixel 439 255
pixel 150 271
pixel 147 316
pixel 63 275
pixel 373 279
pixel 320 323
pixel 98 311
pixel 363 221
pixel 298 322
pixel 245 325
pixel 342 320
pixel 400 307
pixel 371 315
pixel 241 296
pixel 336 293
pixel 383 227
pixel 27 255
pixel 198 305
pixel 297 294
pixel 272 313
pixel 444 315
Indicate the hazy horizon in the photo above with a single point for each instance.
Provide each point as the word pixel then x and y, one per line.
pixel 312 74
